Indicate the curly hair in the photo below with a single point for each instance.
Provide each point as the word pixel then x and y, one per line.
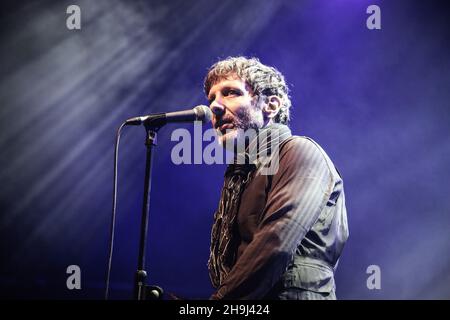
pixel 264 80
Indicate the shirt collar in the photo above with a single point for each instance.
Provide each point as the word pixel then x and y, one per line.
pixel 262 147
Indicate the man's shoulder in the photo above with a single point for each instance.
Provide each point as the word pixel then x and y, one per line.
pixel 303 147
pixel 300 144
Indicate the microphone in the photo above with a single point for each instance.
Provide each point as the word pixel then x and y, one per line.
pixel 199 113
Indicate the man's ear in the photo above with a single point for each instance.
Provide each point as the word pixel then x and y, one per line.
pixel 272 107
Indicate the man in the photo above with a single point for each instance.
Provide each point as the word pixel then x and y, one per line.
pixel 277 235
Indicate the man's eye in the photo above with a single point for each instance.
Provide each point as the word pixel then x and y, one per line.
pixel 231 92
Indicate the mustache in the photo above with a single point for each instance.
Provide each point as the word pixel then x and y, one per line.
pixel 222 121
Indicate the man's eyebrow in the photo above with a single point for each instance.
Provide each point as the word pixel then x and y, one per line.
pixel 227 87
pixel 230 87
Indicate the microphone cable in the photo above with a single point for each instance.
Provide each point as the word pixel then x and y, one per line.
pixel 113 216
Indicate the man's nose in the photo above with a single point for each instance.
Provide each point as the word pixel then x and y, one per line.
pixel 217 108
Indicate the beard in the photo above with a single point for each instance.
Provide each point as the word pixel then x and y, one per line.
pixel 246 124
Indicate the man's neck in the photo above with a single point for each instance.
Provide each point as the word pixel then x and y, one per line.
pixel 259 147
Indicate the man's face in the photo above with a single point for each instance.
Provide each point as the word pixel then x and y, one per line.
pixel 234 107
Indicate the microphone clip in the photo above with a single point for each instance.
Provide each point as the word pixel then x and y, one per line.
pixel 154 121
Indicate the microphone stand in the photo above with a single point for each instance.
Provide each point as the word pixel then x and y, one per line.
pixel 142 291
pixel 152 124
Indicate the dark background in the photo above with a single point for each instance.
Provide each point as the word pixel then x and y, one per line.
pixel 376 100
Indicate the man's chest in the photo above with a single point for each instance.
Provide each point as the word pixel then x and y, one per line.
pixel 251 208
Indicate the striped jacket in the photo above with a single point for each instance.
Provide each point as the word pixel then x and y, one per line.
pixel 292 227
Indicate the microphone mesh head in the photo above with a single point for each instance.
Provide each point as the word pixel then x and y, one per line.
pixel 204 113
